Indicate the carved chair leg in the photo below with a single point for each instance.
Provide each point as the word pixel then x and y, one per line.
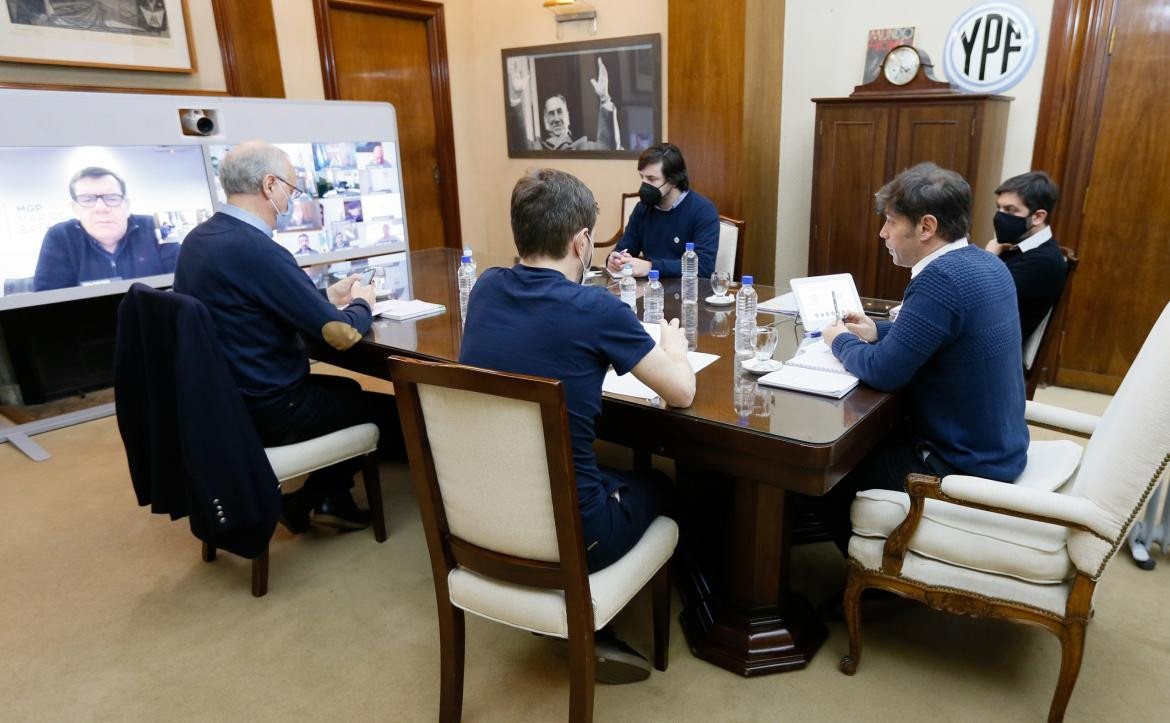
pixel 208 552
pixel 1072 647
pixel 852 607
pixel 374 495
pixel 451 649
pixel 582 668
pixel 660 593
pixel 260 575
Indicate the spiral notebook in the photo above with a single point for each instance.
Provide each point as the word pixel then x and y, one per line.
pixel 814 370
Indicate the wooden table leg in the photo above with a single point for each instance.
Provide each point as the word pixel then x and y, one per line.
pixel 733 577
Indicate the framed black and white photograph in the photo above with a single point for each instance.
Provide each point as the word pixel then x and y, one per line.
pixel 131 34
pixel 593 99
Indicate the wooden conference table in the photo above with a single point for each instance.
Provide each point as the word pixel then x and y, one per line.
pixel 739 450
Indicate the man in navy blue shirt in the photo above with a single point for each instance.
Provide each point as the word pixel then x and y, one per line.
pixel 262 303
pixel 104 242
pixel 955 348
pixel 669 216
pixel 557 328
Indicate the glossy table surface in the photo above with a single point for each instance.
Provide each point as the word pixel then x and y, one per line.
pixel 727 399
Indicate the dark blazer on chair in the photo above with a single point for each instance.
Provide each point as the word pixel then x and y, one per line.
pixel 190 441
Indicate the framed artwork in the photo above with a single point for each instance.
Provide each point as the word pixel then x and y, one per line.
pixel 130 34
pixel 593 99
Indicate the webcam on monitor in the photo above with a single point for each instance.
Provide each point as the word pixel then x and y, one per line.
pixel 198 121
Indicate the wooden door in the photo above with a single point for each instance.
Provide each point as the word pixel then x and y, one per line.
pixel 1123 280
pixel 395 51
pixel 940 134
pixel 849 167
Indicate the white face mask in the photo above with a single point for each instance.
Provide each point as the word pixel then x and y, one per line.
pixel 282 218
pixel 588 257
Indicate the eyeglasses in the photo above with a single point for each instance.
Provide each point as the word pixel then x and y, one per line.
pixel 109 200
pixel 296 191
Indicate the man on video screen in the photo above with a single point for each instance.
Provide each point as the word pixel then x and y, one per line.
pixel 105 241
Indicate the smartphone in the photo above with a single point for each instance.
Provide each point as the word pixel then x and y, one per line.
pixel 366 277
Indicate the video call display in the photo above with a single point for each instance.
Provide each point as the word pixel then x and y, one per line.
pixel 351 197
pixel 88 215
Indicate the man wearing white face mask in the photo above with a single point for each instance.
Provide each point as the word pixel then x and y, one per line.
pixel 262 303
pixel 1023 241
pixel 555 327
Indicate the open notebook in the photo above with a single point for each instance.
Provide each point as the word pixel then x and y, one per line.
pixel 814 370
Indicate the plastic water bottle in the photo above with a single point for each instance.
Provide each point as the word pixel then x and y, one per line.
pixel 652 300
pixel 690 274
pixel 466 277
pixel 745 316
pixel 629 288
pixel 468 257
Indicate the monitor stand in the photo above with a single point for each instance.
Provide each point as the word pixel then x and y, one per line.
pixel 20 435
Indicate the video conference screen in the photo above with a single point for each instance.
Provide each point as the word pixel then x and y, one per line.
pixel 352 197
pixel 81 216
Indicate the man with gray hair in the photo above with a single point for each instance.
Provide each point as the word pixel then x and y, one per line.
pixel 262 303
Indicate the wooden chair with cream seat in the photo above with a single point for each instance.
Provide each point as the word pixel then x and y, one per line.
pixel 1037 346
pixel 729 258
pixel 156 330
pixel 1017 552
pixel 629 203
pixel 492 465
pixel 295 460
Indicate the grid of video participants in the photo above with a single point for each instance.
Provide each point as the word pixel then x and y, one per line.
pixel 79 215
pixel 352 197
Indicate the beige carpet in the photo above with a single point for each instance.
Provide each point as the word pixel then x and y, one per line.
pixel 109 614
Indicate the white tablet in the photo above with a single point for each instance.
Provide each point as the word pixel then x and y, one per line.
pixel 815 296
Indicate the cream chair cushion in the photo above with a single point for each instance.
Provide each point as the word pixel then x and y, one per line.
pixel 492 470
pixel 1050 464
pixel 728 242
pixel 543 611
pixel 1052 598
pixel 978 540
pixel 293 460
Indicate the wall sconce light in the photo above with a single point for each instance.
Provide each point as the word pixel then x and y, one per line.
pixel 571 11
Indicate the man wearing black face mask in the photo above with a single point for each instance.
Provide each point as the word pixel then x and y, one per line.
pixel 1023 240
pixel 669 216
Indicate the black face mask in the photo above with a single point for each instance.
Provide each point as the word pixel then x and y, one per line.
pixel 1008 228
pixel 650 195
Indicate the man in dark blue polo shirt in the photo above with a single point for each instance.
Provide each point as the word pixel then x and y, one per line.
pixel 262 303
pixel 104 242
pixel 557 328
pixel 669 216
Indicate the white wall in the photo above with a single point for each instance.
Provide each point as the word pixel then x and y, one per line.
pixel 824 52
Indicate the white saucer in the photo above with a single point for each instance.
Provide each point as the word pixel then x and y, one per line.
pixel 758 367
pixel 720 300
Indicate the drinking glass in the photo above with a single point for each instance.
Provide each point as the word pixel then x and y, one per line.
pixel 720 282
pixel 764 343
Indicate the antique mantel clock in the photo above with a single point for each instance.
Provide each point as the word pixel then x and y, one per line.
pixel 905 69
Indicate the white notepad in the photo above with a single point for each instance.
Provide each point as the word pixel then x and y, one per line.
pixel 399 309
pixel 813 381
pixel 783 304
pixel 819 357
pixel 628 385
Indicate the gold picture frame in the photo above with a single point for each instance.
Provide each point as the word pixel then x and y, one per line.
pixel 149 35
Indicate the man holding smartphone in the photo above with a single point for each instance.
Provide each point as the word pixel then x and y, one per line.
pixel 262 303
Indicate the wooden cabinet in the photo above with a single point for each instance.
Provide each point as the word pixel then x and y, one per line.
pixel 862 142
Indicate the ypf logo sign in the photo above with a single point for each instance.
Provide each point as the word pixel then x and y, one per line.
pixel 990 48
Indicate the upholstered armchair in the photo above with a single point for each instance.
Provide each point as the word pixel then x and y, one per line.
pixel 1021 552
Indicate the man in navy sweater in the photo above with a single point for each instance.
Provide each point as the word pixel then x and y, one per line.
pixel 262 303
pixel 669 216
pixel 1023 241
pixel 955 349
